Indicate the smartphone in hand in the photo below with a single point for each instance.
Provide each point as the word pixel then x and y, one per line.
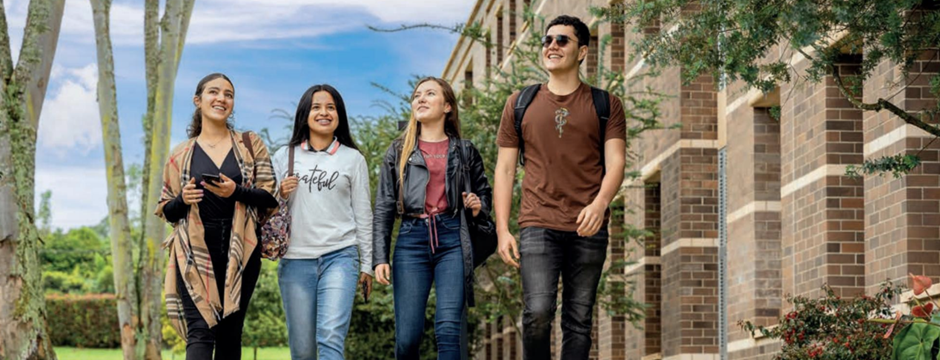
pixel 213 179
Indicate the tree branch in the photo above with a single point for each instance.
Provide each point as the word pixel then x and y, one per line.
pixel 456 29
pixel 151 66
pixel 6 59
pixel 187 13
pixel 40 38
pixel 881 104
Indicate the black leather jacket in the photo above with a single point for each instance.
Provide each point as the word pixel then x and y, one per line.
pixel 415 191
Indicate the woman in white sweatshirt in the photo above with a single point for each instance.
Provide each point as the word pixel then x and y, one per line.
pixel 331 229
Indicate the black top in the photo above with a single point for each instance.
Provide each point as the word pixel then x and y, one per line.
pixel 212 207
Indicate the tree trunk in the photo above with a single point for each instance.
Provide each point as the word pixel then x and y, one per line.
pixel 120 231
pixel 23 333
pixel 172 35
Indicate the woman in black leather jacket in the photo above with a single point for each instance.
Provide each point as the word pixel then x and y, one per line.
pixel 433 244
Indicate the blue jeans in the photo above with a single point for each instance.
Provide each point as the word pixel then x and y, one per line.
pixel 414 268
pixel 318 299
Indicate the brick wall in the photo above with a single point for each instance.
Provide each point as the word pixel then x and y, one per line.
pixel 754 282
pixel 902 223
pixel 823 210
pixel 689 252
pixel 610 329
pixel 797 221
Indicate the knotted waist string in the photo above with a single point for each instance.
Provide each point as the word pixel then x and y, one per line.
pixel 431 221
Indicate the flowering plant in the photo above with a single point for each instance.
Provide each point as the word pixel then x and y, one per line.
pixel 919 332
pixel 832 328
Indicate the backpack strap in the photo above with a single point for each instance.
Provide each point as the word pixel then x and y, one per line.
pixel 602 107
pixel 522 103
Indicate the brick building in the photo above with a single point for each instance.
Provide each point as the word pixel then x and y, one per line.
pixel 733 194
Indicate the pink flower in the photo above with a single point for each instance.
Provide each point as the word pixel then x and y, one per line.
pixel 922 310
pixel 891 329
pixel 920 283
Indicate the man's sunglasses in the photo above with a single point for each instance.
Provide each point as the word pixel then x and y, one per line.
pixel 561 40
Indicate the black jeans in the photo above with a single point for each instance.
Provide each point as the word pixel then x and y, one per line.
pixel 579 260
pixel 226 336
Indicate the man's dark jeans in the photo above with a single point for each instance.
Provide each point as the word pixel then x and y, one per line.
pixel 579 260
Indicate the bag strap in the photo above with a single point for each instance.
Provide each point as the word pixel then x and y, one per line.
pixel 401 190
pixel 602 107
pixel 522 103
pixel 290 160
pixel 246 139
pixel 464 167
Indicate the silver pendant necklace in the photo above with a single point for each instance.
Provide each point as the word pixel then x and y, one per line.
pixel 212 146
pixel 561 118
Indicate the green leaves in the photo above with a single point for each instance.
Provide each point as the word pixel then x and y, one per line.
pixel 916 342
pixel 898 165
pixel 759 43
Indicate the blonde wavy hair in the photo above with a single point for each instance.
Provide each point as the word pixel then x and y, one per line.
pixel 410 136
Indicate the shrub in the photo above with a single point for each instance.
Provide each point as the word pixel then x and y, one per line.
pixel 83 320
pixel 833 328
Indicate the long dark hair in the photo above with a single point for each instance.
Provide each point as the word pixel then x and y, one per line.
pixel 302 129
pixel 195 127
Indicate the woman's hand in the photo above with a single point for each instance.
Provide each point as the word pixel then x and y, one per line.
pixel 472 202
pixel 365 283
pixel 288 186
pixel 191 194
pixel 223 189
pixel 383 274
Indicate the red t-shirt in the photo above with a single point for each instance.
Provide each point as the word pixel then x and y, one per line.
pixel 435 156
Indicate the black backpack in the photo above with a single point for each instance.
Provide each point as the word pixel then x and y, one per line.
pixel 601 106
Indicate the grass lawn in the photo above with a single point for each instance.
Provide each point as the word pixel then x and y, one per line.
pixel 69 353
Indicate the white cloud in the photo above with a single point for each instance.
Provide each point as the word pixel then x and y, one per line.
pixel 126 23
pixel 437 11
pixel 70 119
pixel 224 21
pixel 79 194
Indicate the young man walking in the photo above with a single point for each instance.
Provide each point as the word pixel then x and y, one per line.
pixel 571 140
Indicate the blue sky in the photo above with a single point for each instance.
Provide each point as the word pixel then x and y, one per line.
pixel 272 49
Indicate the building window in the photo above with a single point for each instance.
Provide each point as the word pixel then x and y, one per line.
pixel 591 62
pixel 512 21
pixel 499 37
pixel 468 86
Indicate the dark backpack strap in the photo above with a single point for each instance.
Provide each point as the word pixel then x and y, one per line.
pixel 602 107
pixel 522 103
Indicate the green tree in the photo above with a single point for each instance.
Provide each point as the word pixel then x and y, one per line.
pixel 76 262
pixel 75 249
pixel 45 213
pixel 23 333
pixel 731 40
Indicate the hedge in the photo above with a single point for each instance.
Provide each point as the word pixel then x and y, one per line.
pixel 89 321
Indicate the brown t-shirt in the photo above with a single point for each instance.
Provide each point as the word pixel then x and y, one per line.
pixel 563 174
